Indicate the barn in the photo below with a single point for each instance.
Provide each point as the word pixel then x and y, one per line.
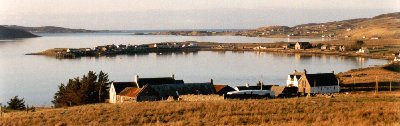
pixel 320 83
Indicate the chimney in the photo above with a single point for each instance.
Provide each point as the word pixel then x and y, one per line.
pixel 333 72
pixel 136 78
pixel 173 76
pixel 305 71
pixel 212 81
pixel 247 85
pixel 295 71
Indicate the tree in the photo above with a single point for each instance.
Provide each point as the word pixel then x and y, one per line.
pixel 16 103
pixel 359 44
pixel 91 88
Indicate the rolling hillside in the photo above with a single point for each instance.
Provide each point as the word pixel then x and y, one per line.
pixel 381 26
pixel 49 29
pixel 10 33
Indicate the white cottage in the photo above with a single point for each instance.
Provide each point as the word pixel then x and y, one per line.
pixel 293 79
pixel 116 88
pixel 363 50
pixel 397 57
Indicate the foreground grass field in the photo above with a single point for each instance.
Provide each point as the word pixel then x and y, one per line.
pixel 342 109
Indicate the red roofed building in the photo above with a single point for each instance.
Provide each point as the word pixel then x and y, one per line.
pixel 222 89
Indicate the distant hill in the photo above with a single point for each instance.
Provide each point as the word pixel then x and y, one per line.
pixel 10 33
pixel 383 26
pixel 49 29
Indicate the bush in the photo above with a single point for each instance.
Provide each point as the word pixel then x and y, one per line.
pixel 16 103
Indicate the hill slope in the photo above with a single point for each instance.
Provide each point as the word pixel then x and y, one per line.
pixel 49 29
pixel 384 26
pixel 9 33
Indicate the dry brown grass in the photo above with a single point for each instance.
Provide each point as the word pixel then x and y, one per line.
pixel 351 109
pixel 370 74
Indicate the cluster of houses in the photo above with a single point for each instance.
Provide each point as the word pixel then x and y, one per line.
pixel 163 88
pixel 128 49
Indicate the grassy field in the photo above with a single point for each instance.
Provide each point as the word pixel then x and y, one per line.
pixel 384 73
pixel 343 109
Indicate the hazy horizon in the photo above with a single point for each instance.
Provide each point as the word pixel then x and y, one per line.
pixel 180 14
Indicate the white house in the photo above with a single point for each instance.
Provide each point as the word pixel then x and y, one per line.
pixel 116 88
pixel 302 45
pixel 363 50
pixel 397 57
pixel 293 79
pixel 260 48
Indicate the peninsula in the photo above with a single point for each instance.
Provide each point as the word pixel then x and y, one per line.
pixel 11 33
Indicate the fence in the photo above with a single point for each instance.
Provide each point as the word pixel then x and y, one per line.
pixel 378 86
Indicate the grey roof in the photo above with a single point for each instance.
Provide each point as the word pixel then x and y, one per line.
pixel 184 89
pixel 157 81
pixel 321 79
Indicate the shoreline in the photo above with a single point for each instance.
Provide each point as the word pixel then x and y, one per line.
pixel 201 46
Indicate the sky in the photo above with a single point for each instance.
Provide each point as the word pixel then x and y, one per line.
pixel 185 14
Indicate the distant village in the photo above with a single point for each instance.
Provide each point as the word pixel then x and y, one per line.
pixel 108 50
pixel 349 49
pixel 298 83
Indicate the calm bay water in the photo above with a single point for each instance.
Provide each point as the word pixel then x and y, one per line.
pixel 36 77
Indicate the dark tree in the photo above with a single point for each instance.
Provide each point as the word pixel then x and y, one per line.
pixel 359 44
pixel 16 103
pixel 102 85
pixel 91 88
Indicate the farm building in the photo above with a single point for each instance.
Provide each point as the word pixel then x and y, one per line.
pixel 302 45
pixel 164 91
pixel 128 94
pixel 284 91
pixel 222 89
pixel 324 47
pixel 116 88
pixel 320 83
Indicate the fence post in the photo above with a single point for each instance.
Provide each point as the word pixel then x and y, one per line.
pixel 390 86
pixel 376 84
